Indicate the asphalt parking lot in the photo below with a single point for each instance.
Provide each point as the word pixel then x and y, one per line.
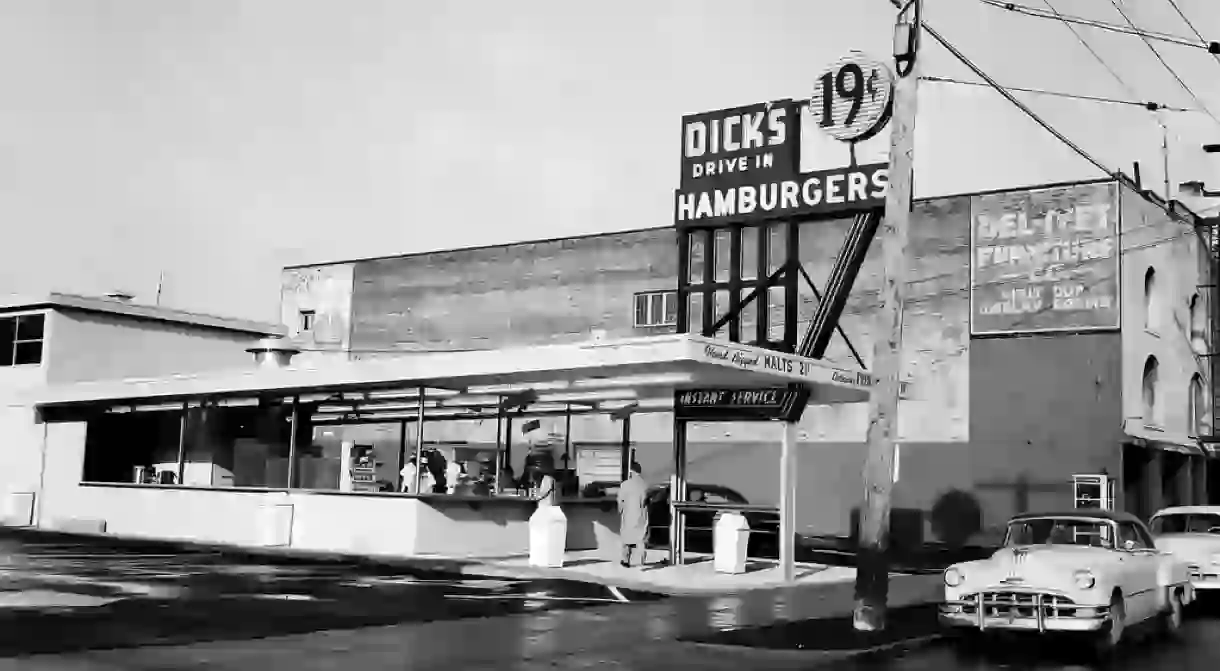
pixel 60 594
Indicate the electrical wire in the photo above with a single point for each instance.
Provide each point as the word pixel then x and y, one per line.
pixel 1096 56
pixel 1213 47
pixel 1146 105
pixel 1168 68
pixel 1007 95
pixel 1190 25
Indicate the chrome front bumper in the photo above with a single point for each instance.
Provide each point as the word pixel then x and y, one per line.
pixel 1023 611
pixel 1204 580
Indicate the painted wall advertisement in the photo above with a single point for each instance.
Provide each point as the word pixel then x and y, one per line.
pixel 1045 260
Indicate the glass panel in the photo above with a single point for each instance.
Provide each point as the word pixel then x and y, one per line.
pixel 133 447
pixel 671 308
pixel 775 314
pixel 777 247
pixel 27 353
pixel 373 452
pixel 641 309
pixel 749 320
pixel 721 309
pixel 698 256
pixel 724 255
pixel 694 312
pixel 29 327
pixel 656 309
pixel 749 253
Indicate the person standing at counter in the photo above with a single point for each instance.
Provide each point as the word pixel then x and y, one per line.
pixel 633 514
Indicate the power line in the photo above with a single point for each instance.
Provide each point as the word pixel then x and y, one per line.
pixel 1096 56
pixel 1159 57
pixel 1190 25
pixel 1151 106
pixel 1210 46
pixel 1007 95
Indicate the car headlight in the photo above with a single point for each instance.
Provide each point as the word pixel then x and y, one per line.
pixel 1216 560
pixel 953 577
pixel 1084 579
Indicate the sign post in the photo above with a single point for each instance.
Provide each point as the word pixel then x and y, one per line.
pixel 872 565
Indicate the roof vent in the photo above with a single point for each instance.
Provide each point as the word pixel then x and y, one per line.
pixel 273 353
pixel 121 296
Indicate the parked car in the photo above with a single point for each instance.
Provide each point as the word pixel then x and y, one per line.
pixel 1085 571
pixel 764 525
pixel 1193 534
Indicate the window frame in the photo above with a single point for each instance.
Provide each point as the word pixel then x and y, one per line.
pixel 669 307
pixel 17 340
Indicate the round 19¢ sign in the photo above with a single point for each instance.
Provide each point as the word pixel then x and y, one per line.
pixel 853 98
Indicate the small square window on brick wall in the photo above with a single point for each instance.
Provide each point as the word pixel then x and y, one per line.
pixel 656 309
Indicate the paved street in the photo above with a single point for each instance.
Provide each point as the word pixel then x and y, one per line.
pixel 1198 648
pixel 66 605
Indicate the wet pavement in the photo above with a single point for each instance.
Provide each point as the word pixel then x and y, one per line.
pixel 70 604
pixel 1196 647
pixel 62 596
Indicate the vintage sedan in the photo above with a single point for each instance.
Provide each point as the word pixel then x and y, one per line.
pixel 1192 533
pixel 1085 571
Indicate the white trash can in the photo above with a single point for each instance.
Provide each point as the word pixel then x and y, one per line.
pixel 548 537
pixel 730 536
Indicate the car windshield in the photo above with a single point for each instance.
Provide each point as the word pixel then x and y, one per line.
pixel 1059 531
pixel 1183 523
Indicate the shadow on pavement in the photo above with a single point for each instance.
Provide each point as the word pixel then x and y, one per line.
pixel 830 634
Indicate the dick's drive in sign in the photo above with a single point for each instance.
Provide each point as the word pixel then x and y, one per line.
pixel 744 164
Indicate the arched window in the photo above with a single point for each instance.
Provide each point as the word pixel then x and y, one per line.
pixel 1198 326
pixel 1150 301
pixel 1149 387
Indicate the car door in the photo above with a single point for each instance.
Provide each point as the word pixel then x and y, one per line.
pixel 1139 561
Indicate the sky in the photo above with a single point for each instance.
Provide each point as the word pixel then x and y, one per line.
pixel 216 141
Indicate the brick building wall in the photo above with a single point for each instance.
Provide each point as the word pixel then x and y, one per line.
pixel 1000 418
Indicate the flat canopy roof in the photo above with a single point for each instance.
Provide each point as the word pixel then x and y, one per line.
pixel 683 361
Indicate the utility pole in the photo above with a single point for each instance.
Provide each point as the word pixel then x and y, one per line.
pixel 872 566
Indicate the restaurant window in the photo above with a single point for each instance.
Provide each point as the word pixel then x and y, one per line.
pixel 354 457
pixel 307 320
pixel 656 308
pixel 223 446
pixel 137 447
pixel 1150 408
pixel 21 339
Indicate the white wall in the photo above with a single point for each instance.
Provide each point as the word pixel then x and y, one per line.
pixel 327 290
pixel 91 346
pixel 1152 239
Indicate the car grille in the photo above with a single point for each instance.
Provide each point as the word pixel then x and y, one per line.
pixel 1015 605
pixel 1196 572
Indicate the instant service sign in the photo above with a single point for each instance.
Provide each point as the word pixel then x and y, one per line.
pixel 1045 260
pixel 742 164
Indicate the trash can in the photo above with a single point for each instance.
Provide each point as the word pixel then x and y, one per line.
pixel 548 537
pixel 730 536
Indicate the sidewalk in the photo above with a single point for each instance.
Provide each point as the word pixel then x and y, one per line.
pixel 696 578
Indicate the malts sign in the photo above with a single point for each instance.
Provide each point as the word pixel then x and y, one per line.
pixel 743 164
